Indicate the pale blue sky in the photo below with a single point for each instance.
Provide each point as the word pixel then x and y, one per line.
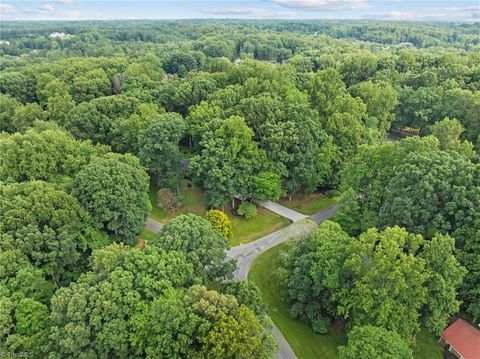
pixel 248 9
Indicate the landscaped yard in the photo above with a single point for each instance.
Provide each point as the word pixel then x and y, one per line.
pixel 304 342
pixel 308 203
pixel 248 230
pixel 192 202
pixel 244 230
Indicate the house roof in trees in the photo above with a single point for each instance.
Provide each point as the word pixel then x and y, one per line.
pixel 464 338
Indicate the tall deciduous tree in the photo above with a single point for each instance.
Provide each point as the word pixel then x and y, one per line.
pixel 433 192
pixel 267 186
pixel 391 279
pixel 203 246
pixel 51 155
pixel 114 190
pixel 388 281
pixel 227 160
pixel 47 225
pixel 24 293
pixel 159 151
pixel 448 132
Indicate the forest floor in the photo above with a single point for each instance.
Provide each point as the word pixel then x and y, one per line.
pixel 244 230
pixel 308 203
pixel 305 343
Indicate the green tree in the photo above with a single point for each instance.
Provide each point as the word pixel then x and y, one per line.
pixel 311 275
pixel 357 67
pixel 448 132
pixel 47 225
pixel 241 334
pixel 374 342
pixel 388 281
pixel 24 292
pixel 203 246
pixel 94 83
pixel 167 328
pixel 26 115
pixel 227 160
pixel 97 120
pixel 159 151
pixel 7 111
pixel 446 276
pixel 19 85
pixel 469 256
pixel 367 175
pixel 51 155
pixel 267 186
pixel 114 190
pixel 433 192
pixel 381 100
pixel 126 131
pixel 247 209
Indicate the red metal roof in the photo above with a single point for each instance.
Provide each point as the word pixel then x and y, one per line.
pixel 464 338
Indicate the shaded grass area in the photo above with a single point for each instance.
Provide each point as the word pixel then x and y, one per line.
pixel 304 342
pixel 192 202
pixel 426 346
pixel 309 203
pixel 244 230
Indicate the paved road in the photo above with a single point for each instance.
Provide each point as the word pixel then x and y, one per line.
pixel 245 254
pixel 324 214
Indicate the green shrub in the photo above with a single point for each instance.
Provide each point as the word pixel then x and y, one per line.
pixel 247 209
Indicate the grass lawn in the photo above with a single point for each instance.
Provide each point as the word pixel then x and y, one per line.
pixel 308 203
pixel 244 230
pixel 248 230
pixel 427 346
pixel 304 342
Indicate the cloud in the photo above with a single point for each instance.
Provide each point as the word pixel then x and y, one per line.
pixel 65 2
pixel 78 15
pixel 6 9
pixel 247 12
pixel 439 14
pixel 323 5
pixel 46 8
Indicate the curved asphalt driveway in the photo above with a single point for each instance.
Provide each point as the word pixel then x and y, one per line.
pixel 246 254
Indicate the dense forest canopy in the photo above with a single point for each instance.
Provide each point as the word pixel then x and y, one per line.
pixel 252 109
